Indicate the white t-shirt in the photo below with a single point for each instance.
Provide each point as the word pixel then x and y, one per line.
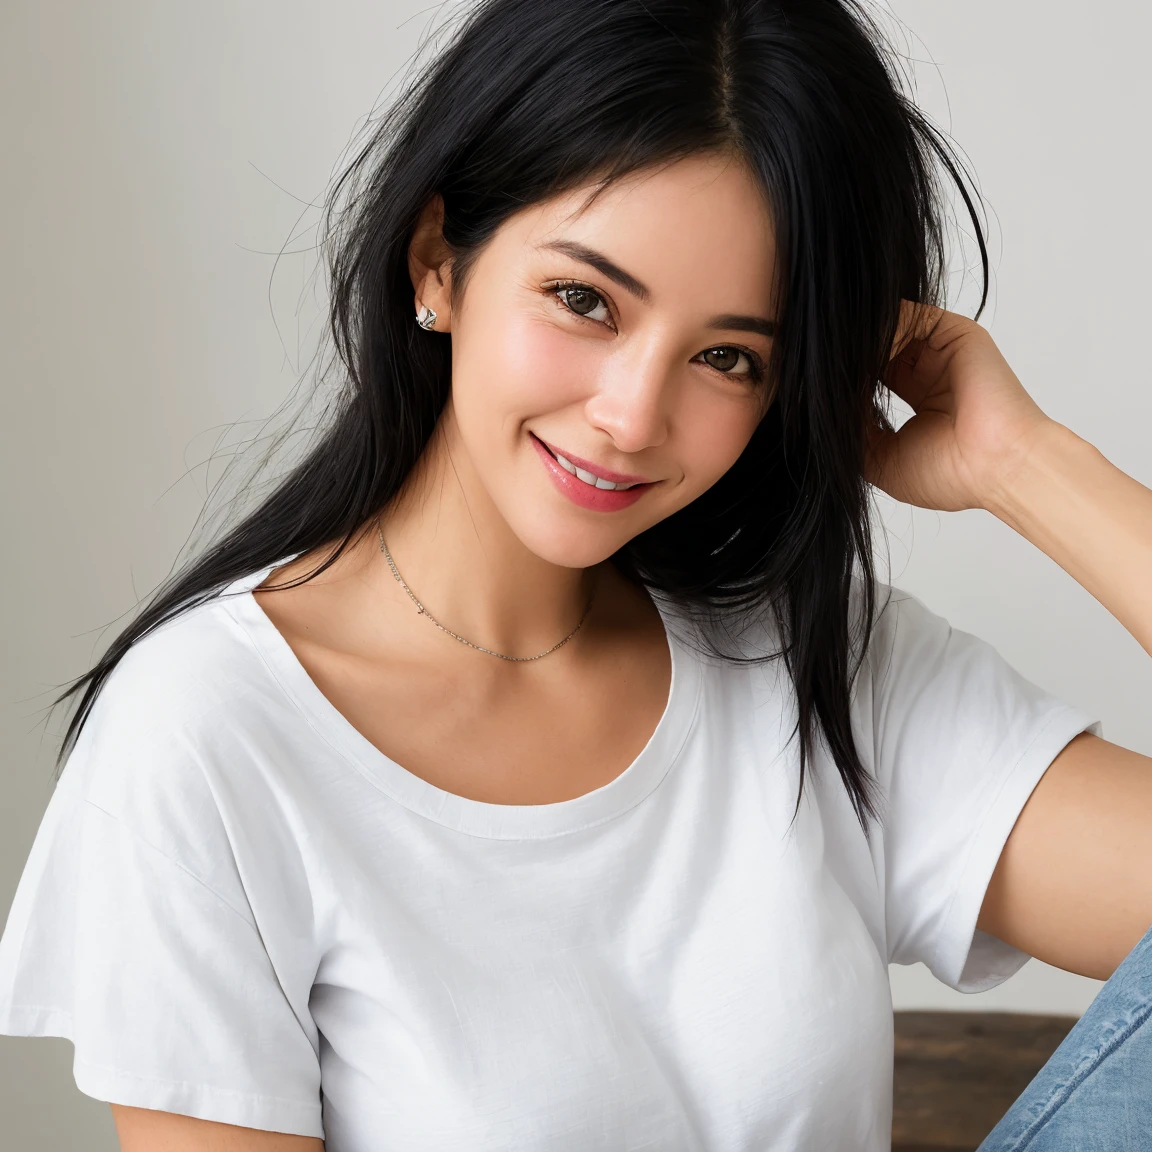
pixel 238 908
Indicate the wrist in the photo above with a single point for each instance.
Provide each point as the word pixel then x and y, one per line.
pixel 1092 519
pixel 1051 457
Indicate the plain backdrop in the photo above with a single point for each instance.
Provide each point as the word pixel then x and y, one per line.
pixel 158 155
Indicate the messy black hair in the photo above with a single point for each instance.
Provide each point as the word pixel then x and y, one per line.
pixel 532 98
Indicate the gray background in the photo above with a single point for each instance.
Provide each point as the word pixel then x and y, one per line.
pixel 157 155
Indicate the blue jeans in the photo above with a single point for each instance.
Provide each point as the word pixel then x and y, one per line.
pixel 1095 1093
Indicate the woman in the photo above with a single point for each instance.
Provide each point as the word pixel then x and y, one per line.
pixel 540 766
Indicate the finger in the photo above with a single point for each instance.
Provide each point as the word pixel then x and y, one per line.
pixel 914 371
pixel 907 376
pixel 879 457
pixel 915 324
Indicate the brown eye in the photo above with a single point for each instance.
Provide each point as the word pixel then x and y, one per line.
pixel 725 359
pixel 722 359
pixel 581 300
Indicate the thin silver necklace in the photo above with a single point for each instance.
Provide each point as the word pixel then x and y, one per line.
pixel 424 612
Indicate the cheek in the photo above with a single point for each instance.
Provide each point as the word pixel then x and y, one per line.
pixel 714 428
pixel 518 367
pixel 542 368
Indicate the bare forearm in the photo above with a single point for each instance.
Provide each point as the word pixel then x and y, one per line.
pixel 1092 519
pixel 145 1130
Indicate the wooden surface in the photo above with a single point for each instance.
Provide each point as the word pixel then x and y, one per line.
pixel 957 1073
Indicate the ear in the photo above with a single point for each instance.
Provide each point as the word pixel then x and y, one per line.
pixel 430 264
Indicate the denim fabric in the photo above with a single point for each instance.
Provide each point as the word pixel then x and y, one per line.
pixel 1095 1093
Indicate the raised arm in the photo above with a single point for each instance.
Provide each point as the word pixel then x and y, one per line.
pixel 1073 885
pixel 1074 882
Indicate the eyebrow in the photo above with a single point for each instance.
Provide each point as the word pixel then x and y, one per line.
pixel 729 321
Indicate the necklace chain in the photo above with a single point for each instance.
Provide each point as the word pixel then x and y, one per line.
pixel 424 612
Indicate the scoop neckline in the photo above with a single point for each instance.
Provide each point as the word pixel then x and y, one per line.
pixel 474 817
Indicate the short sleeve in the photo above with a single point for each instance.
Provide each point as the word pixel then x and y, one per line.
pixel 159 975
pixel 959 740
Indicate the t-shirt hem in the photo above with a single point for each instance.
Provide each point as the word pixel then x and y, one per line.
pixel 27 1020
pixel 202 1101
pixel 966 958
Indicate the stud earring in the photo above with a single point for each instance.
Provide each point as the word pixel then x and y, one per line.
pixel 426 318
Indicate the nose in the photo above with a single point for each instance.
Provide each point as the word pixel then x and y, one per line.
pixel 633 398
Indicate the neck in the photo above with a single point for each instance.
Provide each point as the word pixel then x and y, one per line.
pixel 458 555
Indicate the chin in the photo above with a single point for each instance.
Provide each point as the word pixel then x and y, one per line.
pixel 559 541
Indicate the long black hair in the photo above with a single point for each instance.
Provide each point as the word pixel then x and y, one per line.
pixel 531 98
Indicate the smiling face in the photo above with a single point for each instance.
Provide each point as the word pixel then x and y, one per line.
pixel 609 360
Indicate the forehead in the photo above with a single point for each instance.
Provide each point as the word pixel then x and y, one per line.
pixel 700 226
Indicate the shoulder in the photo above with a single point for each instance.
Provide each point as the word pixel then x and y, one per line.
pixel 183 673
pixel 914 651
pixel 904 630
pixel 928 686
pixel 173 741
pixel 756 633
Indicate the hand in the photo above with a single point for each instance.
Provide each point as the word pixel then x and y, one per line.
pixel 973 425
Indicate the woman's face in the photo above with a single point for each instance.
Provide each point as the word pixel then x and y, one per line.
pixel 624 344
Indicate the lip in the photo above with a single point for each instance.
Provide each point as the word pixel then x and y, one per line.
pixel 585 495
pixel 588 466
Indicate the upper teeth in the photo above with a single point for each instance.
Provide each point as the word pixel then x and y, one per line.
pixel 589 477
